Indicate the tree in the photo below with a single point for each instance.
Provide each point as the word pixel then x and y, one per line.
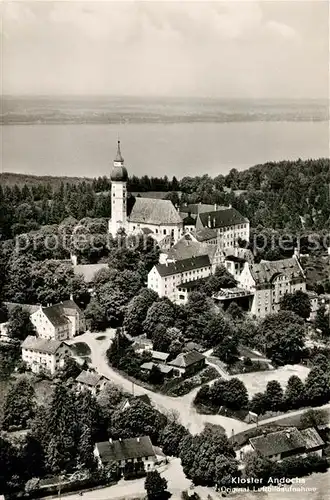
pixel 294 393
pixel 216 329
pixel 155 485
pixel 117 348
pixel 95 315
pixel 314 418
pixel 198 455
pixel 257 467
pixel 155 376
pixel 137 420
pixel 297 302
pixel 220 279
pixel 19 324
pixel 322 321
pixel 235 311
pixel 283 337
pixel 274 396
pixel 161 312
pixel 32 484
pixel 171 437
pixel 258 403
pixel 225 469
pixel 235 395
pixel 227 350
pixel 136 311
pixel 19 404
pixel 317 386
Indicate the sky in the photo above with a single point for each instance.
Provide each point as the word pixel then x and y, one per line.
pixel 247 49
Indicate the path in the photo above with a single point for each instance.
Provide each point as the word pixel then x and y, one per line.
pixel 183 406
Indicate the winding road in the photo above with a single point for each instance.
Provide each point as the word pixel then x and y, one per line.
pixel 182 406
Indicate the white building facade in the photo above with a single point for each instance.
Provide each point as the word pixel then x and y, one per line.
pixel 42 355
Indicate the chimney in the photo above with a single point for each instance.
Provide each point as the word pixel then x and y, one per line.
pixel 110 440
pixel 213 221
pixel 71 296
pixel 209 221
pixel 138 439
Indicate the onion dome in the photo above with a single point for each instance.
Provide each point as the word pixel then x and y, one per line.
pixel 119 172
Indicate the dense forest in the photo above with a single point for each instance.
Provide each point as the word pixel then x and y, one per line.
pixel 292 196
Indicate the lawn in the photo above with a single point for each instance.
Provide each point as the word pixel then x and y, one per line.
pixel 80 349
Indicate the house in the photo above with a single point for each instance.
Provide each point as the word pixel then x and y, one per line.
pixel 270 281
pixel 159 357
pixel 285 443
pixel 44 355
pixel 58 322
pixel 127 454
pixel 156 215
pixel 165 278
pixel 142 344
pixel 166 370
pixel 228 223
pixel 314 302
pixel 188 363
pixel 91 381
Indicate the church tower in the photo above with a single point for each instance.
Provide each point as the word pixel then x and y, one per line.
pixel 118 178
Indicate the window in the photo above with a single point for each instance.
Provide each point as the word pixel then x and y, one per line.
pixel 164 231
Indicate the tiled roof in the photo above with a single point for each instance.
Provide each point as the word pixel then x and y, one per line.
pixel 153 211
pixel 196 208
pixel 222 218
pixel 312 438
pixel 266 271
pixel 125 449
pixel 56 315
pixel 70 304
pixel 157 355
pixel 278 442
pixel 189 221
pixel 41 345
pixel 206 234
pixel 181 266
pixel 88 270
pixel 89 378
pixel 165 369
pixel 187 247
pixel 186 359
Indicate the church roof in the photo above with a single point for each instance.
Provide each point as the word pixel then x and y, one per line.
pixel 119 172
pixel 150 211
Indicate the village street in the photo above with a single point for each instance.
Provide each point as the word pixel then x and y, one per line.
pixel 183 406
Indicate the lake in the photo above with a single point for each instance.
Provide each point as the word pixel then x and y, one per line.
pixel 158 148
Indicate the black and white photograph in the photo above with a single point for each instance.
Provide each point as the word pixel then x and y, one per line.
pixel 164 250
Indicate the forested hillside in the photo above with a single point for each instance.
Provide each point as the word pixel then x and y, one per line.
pixel 291 196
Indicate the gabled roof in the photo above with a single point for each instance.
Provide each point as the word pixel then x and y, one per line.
pixel 278 442
pixel 159 355
pixel 38 344
pixel 186 359
pixel 196 208
pixel 56 315
pixel 189 221
pixel 70 304
pixel 89 378
pixel 187 247
pixel 153 211
pixel 125 449
pixel 88 270
pixel 312 438
pixel 205 234
pixel 184 265
pixel 266 271
pixel 222 218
